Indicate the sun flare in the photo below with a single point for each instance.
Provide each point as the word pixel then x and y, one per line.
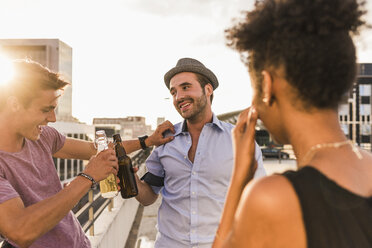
pixel 6 70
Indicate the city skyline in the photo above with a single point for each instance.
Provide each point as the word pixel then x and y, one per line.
pixel 122 48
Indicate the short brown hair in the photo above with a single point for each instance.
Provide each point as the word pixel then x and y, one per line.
pixel 203 81
pixel 30 77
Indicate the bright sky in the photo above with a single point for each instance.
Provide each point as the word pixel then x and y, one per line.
pixel 123 48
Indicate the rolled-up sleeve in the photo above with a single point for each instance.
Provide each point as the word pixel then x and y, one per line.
pixel 155 174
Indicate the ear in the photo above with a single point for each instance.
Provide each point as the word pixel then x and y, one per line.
pixel 208 89
pixel 267 88
pixel 13 104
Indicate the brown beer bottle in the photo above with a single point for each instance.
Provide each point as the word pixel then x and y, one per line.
pixel 128 185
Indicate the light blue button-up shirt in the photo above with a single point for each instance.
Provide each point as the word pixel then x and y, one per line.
pixel 194 193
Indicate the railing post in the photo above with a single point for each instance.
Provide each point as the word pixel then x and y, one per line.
pixel 91 214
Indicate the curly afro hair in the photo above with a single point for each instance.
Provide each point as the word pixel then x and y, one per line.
pixel 310 39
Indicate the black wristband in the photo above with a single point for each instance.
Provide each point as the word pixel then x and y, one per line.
pixel 94 183
pixel 142 141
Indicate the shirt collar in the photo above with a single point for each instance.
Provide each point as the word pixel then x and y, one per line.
pixel 182 128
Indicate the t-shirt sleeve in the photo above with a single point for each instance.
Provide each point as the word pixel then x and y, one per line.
pixel 155 168
pixel 54 138
pixel 7 192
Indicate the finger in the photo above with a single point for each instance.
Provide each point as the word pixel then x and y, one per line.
pixel 135 169
pixel 113 158
pixel 242 120
pixel 111 145
pixel 171 127
pixel 166 128
pixel 249 135
pixel 107 153
pixel 251 122
pixel 168 139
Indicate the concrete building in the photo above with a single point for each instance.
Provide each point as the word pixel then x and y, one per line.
pixel 160 120
pixel 52 53
pixel 355 112
pixel 137 125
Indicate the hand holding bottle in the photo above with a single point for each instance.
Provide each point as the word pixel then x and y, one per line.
pixel 102 165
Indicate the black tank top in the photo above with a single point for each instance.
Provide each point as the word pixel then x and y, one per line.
pixel 333 216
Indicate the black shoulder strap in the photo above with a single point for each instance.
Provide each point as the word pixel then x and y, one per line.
pixel 153 180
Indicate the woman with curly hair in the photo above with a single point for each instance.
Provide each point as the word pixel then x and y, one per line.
pixel 302 62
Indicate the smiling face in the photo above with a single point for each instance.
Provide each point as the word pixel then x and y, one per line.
pixel 38 113
pixel 189 98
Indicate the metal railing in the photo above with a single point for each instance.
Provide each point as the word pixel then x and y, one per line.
pixel 91 206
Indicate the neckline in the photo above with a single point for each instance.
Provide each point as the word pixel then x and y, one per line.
pixel 25 143
pixel 335 184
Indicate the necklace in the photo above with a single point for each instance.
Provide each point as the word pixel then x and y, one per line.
pixel 311 152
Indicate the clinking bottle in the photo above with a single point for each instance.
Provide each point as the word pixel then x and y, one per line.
pixel 128 185
pixel 108 185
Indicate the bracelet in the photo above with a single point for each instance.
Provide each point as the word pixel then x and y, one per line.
pixel 94 183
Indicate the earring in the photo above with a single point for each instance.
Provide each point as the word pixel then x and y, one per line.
pixel 265 100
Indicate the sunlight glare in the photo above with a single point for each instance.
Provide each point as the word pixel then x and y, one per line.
pixel 6 70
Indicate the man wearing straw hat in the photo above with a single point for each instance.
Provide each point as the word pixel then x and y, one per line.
pixel 193 171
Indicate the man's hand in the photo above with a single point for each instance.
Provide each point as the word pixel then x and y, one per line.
pixel 160 137
pixel 102 165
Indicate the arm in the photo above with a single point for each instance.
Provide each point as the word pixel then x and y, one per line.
pixel 243 171
pixel 81 149
pixel 23 225
pixel 156 139
pixel 262 213
pixel 146 195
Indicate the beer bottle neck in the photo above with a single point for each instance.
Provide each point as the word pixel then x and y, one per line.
pixel 120 150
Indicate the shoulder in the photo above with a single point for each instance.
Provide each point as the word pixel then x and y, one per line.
pixel 270 194
pixel 227 126
pixel 48 132
pixel 50 137
pixel 270 204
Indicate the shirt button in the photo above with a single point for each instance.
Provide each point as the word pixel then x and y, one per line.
pixel 185 157
pixel 193 231
pixel 194 173
pixel 193 212
pixel 193 192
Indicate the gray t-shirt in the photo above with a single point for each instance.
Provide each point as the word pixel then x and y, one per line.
pixel 31 175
